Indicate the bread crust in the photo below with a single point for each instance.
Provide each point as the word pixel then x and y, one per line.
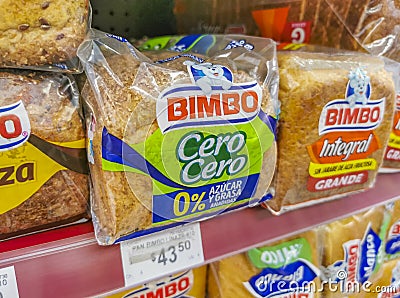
pixel 39 32
pixel 54 116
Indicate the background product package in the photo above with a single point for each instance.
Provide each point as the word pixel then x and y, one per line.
pixel 336 117
pixel 187 284
pixel 375 24
pixel 287 267
pixel 392 241
pixel 285 21
pixel 391 162
pixel 43 34
pixel 43 175
pixel 183 138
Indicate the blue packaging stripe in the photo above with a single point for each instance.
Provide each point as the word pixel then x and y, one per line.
pixel 6 109
pixel 202 199
pixel 116 150
pixel 393 245
pixel 369 255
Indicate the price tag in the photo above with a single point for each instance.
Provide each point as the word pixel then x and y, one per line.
pixel 161 253
pixel 8 283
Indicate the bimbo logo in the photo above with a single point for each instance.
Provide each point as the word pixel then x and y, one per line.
pixel 356 111
pixel 176 286
pixel 14 126
pixel 212 99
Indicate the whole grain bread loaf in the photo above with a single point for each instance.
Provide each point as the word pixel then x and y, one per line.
pixel 121 103
pixel 310 84
pixel 38 32
pixel 57 193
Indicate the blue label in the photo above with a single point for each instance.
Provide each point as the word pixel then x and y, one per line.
pixel 119 38
pixel 393 245
pixel 369 252
pixel 294 277
pixel 203 200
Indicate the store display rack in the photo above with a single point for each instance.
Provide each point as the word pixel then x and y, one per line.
pixel 68 262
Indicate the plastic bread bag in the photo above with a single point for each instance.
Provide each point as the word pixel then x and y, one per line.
pixel 43 35
pixel 336 115
pixel 169 144
pixel 286 268
pixel 352 252
pixel 190 283
pixel 373 23
pixel 44 172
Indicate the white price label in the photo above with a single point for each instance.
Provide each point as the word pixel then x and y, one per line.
pixel 161 253
pixel 8 283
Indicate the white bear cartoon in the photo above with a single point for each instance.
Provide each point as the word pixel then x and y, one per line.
pixel 359 81
pixel 213 76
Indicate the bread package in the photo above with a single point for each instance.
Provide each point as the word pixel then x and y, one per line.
pixel 190 283
pixel 38 32
pixel 392 241
pixel 288 268
pixel 43 168
pixel 352 252
pixel 335 121
pixel 391 162
pixel 176 140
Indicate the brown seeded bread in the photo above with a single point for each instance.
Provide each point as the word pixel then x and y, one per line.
pixel 122 201
pixel 38 32
pixel 53 117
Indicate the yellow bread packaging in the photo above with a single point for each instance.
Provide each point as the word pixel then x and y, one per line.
pixel 288 268
pixel 352 252
pixel 187 284
pixel 43 166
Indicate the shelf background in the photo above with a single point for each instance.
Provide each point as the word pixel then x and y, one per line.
pixel 68 262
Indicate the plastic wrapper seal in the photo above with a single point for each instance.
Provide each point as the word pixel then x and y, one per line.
pixel 43 166
pixel 43 35
pixel 176 137
pixel 336 116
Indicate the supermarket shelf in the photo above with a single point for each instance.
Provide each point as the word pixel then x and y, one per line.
pixel 68 262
